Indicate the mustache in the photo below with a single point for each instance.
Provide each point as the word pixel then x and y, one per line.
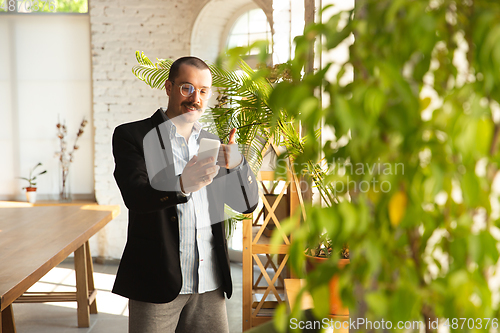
pixel 192 105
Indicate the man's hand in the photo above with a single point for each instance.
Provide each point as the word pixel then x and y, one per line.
pixel 198 174
pixel 229 156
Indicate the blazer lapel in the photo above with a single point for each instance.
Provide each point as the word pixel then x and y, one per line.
pixel 158 122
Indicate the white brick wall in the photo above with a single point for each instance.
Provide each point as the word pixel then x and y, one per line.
pixel 162 29
pixel 118 28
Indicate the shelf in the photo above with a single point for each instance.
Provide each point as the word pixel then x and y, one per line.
pixel 271 301
pixel 264 246
pixel 279 201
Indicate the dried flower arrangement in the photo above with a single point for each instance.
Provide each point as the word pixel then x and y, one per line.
pixel 66 157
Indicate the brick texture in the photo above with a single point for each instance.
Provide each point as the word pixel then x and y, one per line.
pixel 118 28
pixel 162 29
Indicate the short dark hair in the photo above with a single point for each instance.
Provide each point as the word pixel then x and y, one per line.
pixel 191 61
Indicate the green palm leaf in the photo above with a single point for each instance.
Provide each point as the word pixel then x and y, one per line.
pixel 153 75
pixel 243 103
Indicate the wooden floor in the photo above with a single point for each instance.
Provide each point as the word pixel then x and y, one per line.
pixel 113 309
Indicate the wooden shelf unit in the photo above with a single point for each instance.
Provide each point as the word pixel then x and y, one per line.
pixel 259 256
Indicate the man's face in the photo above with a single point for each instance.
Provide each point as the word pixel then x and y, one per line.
pixel 187 109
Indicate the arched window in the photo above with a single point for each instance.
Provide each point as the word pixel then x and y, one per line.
pixel 248 28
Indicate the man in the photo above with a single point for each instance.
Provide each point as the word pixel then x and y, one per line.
pixel 175 266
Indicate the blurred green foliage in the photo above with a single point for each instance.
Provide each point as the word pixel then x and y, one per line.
pixel 72 6
pixel 423 238
pixel 408 180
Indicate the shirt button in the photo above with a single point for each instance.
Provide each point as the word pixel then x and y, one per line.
pixel 173 218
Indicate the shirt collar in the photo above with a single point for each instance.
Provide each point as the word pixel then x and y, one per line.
pixel 172 129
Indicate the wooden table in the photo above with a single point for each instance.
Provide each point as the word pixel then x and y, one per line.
pixel 33 240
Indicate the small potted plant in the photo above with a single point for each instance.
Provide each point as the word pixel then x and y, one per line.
pixel 31 188
pixel 318 255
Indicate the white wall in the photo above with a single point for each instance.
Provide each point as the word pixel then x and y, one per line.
pixel 45 74
pixel 7 163
pixel 288 22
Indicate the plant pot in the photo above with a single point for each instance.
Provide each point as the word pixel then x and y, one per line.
pixel 336 306
pixel 31 194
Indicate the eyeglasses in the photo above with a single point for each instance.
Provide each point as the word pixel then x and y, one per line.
pixel 187 89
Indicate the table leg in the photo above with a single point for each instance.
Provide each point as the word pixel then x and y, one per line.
pixel 7 324
pixel 90 278
pixel 82 291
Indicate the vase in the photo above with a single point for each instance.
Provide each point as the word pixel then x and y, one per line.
pixel 31 194
pixel 64 187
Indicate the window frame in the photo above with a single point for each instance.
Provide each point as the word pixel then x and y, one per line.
pixel 250 59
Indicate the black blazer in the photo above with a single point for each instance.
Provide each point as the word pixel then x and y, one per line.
pixel 150 270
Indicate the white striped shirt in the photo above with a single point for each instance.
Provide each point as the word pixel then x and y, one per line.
pixel 195 232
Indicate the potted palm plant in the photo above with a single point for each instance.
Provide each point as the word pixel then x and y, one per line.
pixel 31 188
pixel 245 101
